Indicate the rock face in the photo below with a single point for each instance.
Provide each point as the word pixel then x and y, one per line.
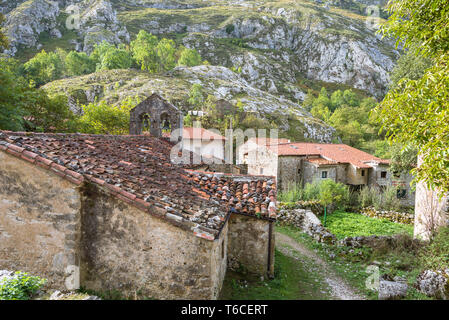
pixel 25 23
pixel 392 290
pixel 116 85
pixel 434 284
pixel 276 45
pixel 97 21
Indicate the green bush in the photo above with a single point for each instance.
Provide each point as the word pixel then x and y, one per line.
pixel 327 192
pixel 21 286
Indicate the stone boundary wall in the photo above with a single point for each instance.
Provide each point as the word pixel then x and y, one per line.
pixel 393 216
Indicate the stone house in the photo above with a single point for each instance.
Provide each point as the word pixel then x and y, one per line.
pixel 204 142
pixel 114 213
pixel 302 163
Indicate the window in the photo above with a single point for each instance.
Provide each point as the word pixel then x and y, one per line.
pixel 223 250
pixel 299 171
pixel 402 193
pixel 383 174
pixel 363 173
pixel 324 174
pixel 261 170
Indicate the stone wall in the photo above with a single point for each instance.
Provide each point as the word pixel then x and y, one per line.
pixel 288 171
pixel 250 247
pixel 128 250
pixel 39 221
pixel 431 212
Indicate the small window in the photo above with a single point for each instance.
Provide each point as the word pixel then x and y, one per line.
pixel 383 174
pixel 223 249
pixel 299 171
pixel 324 174
pixel 402 193
pixel 261 170
pixel 363 173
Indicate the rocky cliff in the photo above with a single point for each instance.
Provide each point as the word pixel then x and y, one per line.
pixel 281 48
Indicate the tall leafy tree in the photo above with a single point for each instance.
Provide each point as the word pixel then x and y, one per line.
pixel 144 51
pixel 417 111
pixel 79 63
pixel 3 39
pixel 44 67
pixel 165 51
pixel 189 58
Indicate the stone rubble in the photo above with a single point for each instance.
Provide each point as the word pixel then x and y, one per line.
pixel 434 283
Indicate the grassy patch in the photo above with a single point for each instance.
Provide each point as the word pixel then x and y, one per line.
pixel 346 224
pixel 293 281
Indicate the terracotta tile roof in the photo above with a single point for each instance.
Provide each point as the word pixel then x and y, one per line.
pixel 201 134
pixel 135 169
pixel 340 153
pixel 269 141
pixel 244 194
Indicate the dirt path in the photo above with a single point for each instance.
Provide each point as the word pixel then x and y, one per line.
pixel 340 290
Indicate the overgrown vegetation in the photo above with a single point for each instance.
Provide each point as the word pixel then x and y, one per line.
pixel 352 263
pixel 292 281
pixel 346 224
pixel 338 196
pixel 21 286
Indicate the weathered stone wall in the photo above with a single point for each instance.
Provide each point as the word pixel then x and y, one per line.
pixel 39 221
pixel 128 250
pixel 354 176
pixel 288 171
pixel 250 248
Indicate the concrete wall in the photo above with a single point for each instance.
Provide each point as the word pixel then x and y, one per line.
pixel 39 222
pixel 250 248
pixel 126 249
pixel 354 175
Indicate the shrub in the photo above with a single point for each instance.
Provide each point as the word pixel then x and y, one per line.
pixel 103 118
pixel 21 286
pixel 293 193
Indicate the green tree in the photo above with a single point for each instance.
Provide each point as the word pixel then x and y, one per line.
pixel 189 58
pixel 3 39
pixel 116 59
pixel 103 118
pixel 12 95
pixel 144 52
pixel 410 66
pixel 44 67
pixel 165 51
pixel 417 111
pixel 196 96
pixel 78 63
pixel 48 114
pixel 100 50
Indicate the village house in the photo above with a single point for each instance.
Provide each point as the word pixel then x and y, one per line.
pixel 301 163
pixel 114 213
pixel 207 143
